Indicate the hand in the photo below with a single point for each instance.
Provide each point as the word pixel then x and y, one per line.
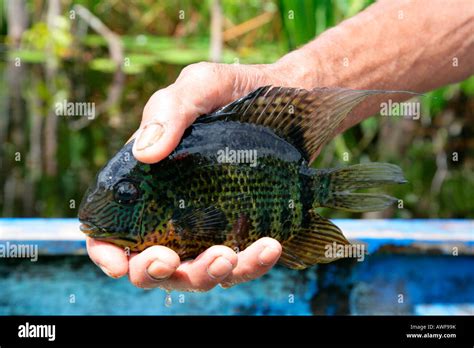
pixel 200 88
pixel 158 266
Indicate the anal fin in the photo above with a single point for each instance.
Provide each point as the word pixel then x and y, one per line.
pixel 309 246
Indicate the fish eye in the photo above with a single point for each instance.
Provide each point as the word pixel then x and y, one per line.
pixel 125 192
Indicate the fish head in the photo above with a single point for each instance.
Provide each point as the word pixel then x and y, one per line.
pixel 113 206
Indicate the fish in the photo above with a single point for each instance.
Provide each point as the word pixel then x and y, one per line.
pixel 241 173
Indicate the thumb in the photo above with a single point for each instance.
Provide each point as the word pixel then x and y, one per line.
pixel 200 89
pixel 164 120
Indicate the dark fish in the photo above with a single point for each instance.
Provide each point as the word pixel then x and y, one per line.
pixel 239 174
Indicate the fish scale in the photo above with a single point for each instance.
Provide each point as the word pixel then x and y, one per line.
pixel 245 188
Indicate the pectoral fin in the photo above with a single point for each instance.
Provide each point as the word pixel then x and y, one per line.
pixel 208 222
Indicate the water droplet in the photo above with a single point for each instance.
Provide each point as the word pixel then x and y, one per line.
pixel 168 299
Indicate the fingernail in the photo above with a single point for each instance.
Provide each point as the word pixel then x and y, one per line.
pixel 150 134
pixel 219 268
pixel 106 271
pixel 158 270
pixel 267 256
pixel 226 285
pixel 133 136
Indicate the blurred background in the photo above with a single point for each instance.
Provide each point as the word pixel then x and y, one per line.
pixel 116 54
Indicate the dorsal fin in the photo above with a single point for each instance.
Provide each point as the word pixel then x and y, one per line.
pixel 306 119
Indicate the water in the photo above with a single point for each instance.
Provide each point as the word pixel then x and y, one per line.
pixel 168 299
pixel 344 287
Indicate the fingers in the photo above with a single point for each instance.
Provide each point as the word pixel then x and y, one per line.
pixel 200 89
pixel 204 272
pixel 254 261
pixel 152 266
pixel 159 266
pixel 110 258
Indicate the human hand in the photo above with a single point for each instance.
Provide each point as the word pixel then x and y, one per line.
pixel 200 89
pixel 159 266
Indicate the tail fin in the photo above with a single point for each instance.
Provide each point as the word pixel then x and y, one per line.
pixel 333 188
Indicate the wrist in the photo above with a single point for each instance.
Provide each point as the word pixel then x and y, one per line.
pixel 292 70
pixel 313 65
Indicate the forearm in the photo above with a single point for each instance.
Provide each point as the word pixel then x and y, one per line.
pixel 396 45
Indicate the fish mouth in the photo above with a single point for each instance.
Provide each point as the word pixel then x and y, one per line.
pixel 95 231
pixel 90 229
pixel 100 234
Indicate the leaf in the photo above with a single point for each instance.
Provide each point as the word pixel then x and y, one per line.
pixel 28 56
